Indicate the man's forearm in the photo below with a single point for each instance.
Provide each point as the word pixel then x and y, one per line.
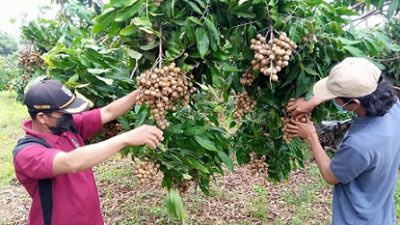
pixel 118 107
pixel 87 156
pixel 323 160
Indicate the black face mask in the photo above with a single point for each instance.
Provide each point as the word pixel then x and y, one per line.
pixel 64 123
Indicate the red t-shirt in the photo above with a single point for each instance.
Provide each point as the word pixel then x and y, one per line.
pixel 75 196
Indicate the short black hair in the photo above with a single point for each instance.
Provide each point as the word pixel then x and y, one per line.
pixel 379 102
pixel 33 114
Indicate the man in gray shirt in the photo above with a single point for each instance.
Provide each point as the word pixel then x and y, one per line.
pixel 364 169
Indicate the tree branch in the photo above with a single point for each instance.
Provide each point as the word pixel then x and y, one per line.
pixel 370 13
pixel 354 7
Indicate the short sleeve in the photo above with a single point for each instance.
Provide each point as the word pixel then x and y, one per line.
pixel 88 123
pixel 348 163
pixel 35 162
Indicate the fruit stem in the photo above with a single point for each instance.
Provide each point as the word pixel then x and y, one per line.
pixel 160 54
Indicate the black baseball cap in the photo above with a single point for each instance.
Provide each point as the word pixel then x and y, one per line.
pixel 52 95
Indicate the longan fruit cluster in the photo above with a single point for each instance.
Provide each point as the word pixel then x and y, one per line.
pixel 184 186
pixel 25 77
pixel 258 165
pixel 112 129
pixel 247 78
pixel 310 37
pixel 163 89
pixel 272 56
pixel 158 2
pixel 145 172
pixel 244 104
pixel 304 118
pixel 30 59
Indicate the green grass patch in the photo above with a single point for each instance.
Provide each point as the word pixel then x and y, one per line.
pixel 257 206
pixel 12 114
pixel 397 198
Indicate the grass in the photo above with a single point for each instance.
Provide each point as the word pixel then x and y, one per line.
pixel 12 114
pixel 397 198
pixel 257 206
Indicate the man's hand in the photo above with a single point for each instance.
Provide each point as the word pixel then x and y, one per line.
pixel 303 130
pixel 301 106
pixel 144 135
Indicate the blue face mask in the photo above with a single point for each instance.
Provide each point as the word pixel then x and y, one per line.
pixel 340 107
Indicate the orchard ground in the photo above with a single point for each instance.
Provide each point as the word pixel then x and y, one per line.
pixel 239 197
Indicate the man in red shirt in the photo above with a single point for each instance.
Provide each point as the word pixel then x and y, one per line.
pixel 52 161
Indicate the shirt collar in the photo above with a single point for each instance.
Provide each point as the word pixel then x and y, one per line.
pixel 49 137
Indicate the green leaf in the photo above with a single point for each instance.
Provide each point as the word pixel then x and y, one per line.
pixel 149 46
pixel 213 32
pixel 131 29
pixel 194 7
pixel 105 80
pixel 103 21
pixel 174 129
pixel 74 78
pixel 189 30
pixel 128 12
pixel 194 130
pixel 354 51
pixel 121 3
pixel 226 159
pixel 202 41
pixel 175 206
pixel 345 11
pixel 98 71
pixel 216 77
pixel 134 54
pixel 187 176
pixel 195 20
pixel 205 143
pixel 346 41
pixel 380 4
pixel 201 3
pixel 311 71
pixel 388 43
pixel 143 24
pixel 394 4
pixel 225 66
pixel 198 165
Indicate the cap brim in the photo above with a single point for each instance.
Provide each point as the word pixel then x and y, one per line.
pixel 77 106
pixel 320 90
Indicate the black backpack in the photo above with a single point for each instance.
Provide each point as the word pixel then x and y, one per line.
pixel 45 185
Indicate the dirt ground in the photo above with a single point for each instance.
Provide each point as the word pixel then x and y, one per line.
pixel 239 197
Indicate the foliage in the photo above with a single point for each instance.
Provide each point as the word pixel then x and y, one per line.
pixel 12 114
pixel 194 146
pixel 43 33
pixel 9 71
pixel 8 45
pixel 175 207
pixel 95 71
pixel 391 59
pixel 389 8
pixel 216 35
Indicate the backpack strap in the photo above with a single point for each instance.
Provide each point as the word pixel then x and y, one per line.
pixel 28 140
pixel 45 185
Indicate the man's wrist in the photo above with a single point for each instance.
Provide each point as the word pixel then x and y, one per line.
pixel 315 101
pixel 312 138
